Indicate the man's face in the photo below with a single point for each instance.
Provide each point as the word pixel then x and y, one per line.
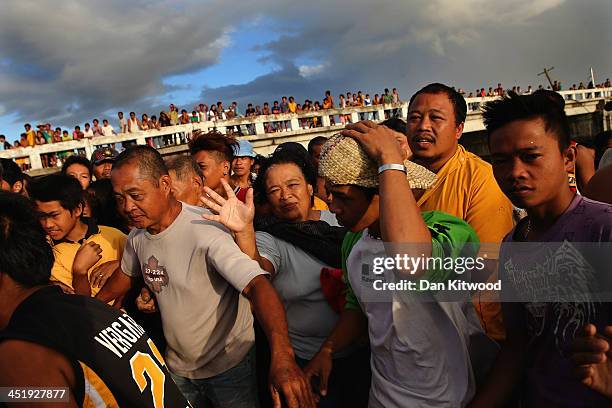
pixel 144 203
pixel 95 122
pixel 27 128
pixel 213 168
pixel 87 126
pixel 241 166
pixel 120 115
pixel 527 163
pixel 56 220
pixel 352 207
pixel 316 155
pixel 105 123
pixel 433 133
pixel 81 173
pixel 103 170
pixel 188 189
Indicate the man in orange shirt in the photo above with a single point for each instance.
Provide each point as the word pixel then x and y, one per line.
pixel 465 185
pixel 30 134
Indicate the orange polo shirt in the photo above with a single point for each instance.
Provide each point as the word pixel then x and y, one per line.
pixel 467 189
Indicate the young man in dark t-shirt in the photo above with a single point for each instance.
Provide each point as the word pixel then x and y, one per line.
pixel 97 355
pixel 553 265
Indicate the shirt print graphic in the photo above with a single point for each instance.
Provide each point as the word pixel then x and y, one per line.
pixel 155 275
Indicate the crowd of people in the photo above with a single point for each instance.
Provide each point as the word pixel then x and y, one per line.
pixel 44 132
pixel 226 279
pixel 556 86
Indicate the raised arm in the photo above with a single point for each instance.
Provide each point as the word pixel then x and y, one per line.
pixel 238 218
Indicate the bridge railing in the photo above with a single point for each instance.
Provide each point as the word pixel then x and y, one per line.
pixel 253 128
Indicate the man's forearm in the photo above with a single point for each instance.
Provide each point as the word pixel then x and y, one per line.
pixel 247 243
pixel 116 287
pixel 504 375
pixel 270 314
pixel 351 325
pixel 80 284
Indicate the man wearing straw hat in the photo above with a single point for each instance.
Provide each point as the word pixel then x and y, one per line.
pixel 419 345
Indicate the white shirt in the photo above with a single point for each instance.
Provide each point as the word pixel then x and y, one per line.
pixel 108 130
pixel 297 279
pixel 418 356
pixel 88 133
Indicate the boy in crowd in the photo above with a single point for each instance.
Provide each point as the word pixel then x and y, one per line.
pixel 86 254
pixel 547 286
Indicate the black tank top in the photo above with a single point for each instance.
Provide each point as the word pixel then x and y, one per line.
pixel 115 362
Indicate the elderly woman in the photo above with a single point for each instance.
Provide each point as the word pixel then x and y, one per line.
pixel 297 246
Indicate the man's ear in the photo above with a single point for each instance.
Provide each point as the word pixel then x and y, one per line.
pixel 310 190
pixel 459 131
pixel 78 211
pixel 165 183
pixel 569 158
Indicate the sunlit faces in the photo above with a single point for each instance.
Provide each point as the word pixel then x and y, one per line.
pixel 433 133
pixel 214 168
pixel 528 164
pixel 241 166
pixel 140 199
pixel 56 220
pixel 81 173
pixel 354 208
pixel 288 193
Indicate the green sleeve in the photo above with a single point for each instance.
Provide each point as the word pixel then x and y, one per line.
pixel 451 237
pixel 350 239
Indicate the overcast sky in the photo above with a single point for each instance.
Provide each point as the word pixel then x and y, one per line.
pixel 66 62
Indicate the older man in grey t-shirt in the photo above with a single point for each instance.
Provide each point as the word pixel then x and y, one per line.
pixel 201 281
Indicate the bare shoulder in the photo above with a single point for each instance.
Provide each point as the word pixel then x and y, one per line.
pixel 23 363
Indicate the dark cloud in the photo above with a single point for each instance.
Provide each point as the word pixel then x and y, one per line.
pixel 472 43
pixel 66 61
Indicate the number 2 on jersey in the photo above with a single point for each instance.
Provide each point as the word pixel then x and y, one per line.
pixel 142 363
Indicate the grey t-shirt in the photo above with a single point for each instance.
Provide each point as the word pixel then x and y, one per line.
pixel 297 280
pixel 197 273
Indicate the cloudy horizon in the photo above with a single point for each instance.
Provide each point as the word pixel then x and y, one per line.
pixel 66 62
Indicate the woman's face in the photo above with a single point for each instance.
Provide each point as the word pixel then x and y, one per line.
pixel 213 168
pixel 81 173
pixel 288 193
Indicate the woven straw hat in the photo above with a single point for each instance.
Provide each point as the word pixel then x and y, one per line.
pixel 343 161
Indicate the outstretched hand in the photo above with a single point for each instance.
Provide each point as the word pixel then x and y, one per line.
pixel 231 212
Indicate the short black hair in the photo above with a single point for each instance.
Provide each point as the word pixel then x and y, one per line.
pixel 214 141
pixel 11 173
pixel 459 104
pixel 397 124
pixel 58 187
pixel 77 159
pixel 546 105
pixel 149 161
pixel 316 141
pixel 292 154
pixel 26 255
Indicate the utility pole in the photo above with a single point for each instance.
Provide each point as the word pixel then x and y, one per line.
pixel 545 72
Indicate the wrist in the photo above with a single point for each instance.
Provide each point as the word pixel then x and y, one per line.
pixel 79 272
pixel 390 158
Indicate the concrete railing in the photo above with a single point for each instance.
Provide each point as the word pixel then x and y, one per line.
pixel 256 129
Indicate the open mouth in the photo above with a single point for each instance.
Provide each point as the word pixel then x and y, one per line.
pixel 423 141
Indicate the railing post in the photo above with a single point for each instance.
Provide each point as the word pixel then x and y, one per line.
pixel 295 123
pixel 325 122
pixel 35 161
pixel 355 117
pixel 259 128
